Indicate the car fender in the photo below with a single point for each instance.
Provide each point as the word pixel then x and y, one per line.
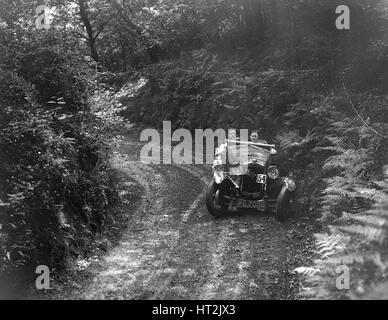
pixel 289 184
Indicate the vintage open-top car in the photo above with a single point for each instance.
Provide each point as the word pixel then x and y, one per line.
pixel 245 178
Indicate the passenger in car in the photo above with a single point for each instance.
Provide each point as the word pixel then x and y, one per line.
pixel 255 137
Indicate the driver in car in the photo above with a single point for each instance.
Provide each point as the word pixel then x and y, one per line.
pixel 255 137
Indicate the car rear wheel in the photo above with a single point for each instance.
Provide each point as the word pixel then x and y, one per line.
pixel 283 205
pixel 213 200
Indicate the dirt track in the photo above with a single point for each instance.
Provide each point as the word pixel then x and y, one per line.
pixel 174 249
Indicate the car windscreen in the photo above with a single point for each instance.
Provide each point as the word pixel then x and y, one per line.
pixel 236 153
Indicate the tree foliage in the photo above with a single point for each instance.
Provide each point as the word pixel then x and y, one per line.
pixel 56 182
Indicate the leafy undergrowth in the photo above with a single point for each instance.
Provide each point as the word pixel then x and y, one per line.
pixel 351 255
pixel 81 267
pixel 57 186
pixel 92 244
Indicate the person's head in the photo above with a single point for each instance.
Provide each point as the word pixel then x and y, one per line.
pixel 254 136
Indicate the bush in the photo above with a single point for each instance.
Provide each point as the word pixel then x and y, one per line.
pixel 56 180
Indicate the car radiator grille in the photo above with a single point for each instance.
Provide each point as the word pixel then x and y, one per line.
pixel 249 185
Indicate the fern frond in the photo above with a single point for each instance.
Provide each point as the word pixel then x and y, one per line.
pixel 370 220
pixel 345 216
pixel 371 233
pixel 348 259
pixel 306 271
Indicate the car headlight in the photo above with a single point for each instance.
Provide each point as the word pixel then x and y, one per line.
pixel 273 172
pixel 237 171
pixel 219 176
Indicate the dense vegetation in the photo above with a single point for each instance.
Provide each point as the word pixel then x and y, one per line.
pixel 282 66
pixel 56 182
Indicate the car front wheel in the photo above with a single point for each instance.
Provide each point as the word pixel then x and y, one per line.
pixel 213 200
pixel 284 203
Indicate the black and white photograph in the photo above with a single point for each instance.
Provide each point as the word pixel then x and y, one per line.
pixel 193 153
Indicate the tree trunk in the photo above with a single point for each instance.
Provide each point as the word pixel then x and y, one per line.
pixel 85 19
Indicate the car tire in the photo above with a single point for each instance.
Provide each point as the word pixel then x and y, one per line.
pixel 283 205
pixel 215 209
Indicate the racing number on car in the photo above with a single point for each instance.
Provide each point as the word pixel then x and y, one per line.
pixel 261 178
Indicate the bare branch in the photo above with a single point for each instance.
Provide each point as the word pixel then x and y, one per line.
pixel 355 110
pixel 102 27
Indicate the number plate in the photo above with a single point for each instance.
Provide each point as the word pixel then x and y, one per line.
pixel 261 178
pixel 252 204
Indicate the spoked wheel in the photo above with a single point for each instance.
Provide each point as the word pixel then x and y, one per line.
pixel 284 204
pixel 214 200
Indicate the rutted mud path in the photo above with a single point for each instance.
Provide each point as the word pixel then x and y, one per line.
pixel 173 249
